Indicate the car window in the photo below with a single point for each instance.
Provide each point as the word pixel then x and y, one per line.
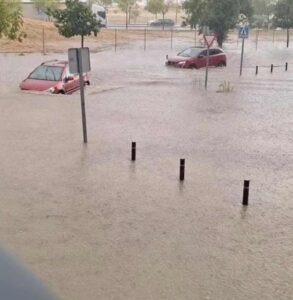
pixel 217 51
pixel 50 73
pixel 203 53
pixel 190 52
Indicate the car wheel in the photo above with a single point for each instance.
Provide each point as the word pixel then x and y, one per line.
pixel 221 64
pixel 193 66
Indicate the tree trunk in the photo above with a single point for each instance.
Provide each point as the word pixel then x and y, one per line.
pixel 82 41
pixel 288 36
pixel 126 19
pixel 163 21
pixel 220 40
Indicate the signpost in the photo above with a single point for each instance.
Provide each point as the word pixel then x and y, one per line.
pixel 208 40
pixel 79 62
pixel 243 34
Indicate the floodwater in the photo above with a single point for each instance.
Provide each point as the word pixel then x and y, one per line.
pixel 94 225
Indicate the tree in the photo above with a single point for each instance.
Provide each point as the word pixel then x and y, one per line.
pixel 125 6
pixel 44 5
pixel 76 19
pixel 11 20
pixel 246 8
pixel 154 6
pixel 283 16
pixel 218 15
pixel 104 3
pixel 263 12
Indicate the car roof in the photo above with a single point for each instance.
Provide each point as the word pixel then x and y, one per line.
pixel 55 63
pixel 204 48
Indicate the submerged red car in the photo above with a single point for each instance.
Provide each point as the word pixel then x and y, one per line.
pixel 54 77
pixel 195 58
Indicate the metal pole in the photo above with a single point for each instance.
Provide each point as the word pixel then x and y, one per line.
pixel 207 68
pixel 144 45
pixel 241 62
pixel 286 66
pixel 81 82
pixel 274 35
pixel 272 68
pixel 256 39
pixel 44 51
pixel 115 39
pixel 195 36
pixel 171 38
pixel 256 70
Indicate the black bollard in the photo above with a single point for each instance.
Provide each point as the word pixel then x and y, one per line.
pixel 182 169
pixel 245 192
pixel 256 70
pixel 286 66
pixel 133 151
pixel 272 68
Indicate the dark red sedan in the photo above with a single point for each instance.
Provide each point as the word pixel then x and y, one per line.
pixel 195 58
pixel 54 77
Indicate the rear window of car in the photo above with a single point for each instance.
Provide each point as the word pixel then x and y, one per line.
pixel 50 73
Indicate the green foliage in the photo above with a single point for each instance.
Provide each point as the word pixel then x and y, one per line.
pixel 76 19
pixel 103 3
pixel 154 6
pixel 218 15
pixel 263 7
pixel 44 5
pixel 125 5
pixel 283 14
pixel 246 8
pixel 11 20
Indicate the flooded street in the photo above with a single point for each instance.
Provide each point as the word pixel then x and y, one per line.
pixel 94 225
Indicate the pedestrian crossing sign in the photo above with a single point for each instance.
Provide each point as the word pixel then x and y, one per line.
pixel 243 32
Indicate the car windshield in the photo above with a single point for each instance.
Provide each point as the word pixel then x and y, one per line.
pixel 190 52
pixel 49 73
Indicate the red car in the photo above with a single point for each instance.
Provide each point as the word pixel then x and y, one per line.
pixel 195 58
pixel 54 77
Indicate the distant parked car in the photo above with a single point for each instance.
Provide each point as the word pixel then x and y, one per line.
pixel 195 58
pixel 162 23
pixel 54 77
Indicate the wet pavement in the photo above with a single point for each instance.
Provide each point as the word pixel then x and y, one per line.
pixel 94 225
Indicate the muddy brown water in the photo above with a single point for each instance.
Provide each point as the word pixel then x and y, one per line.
pixel 94 225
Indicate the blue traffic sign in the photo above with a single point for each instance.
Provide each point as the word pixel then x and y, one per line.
pixel 243 32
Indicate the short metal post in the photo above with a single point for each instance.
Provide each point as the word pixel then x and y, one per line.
pixel 44 50
pixel 245 192
pixel 256 70
pixel 272 68
pixel 182 169
pixel 286 66
pixel 144 45
pixel 133 151
pixel 115 39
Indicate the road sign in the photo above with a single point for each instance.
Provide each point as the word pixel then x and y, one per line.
pixel 73 54
pixel 79 62
pixel 209 39
pixel 243 32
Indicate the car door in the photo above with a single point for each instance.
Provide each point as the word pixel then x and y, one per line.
pixel 212 57
pixel 70 81
pixel 201 59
